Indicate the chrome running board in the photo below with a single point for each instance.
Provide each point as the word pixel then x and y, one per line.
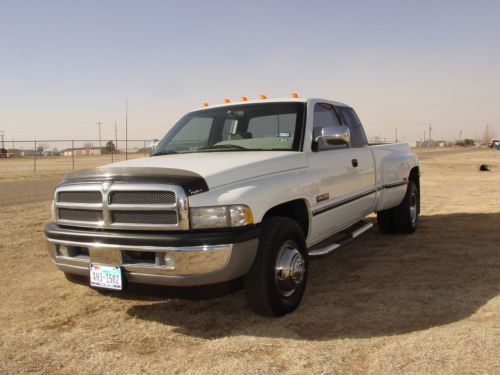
pixel 328 249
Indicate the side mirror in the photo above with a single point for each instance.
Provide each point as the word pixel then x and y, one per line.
pixel 333 135
pixel 154 144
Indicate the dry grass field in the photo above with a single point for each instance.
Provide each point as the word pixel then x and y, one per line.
pixel 53 166
pixel 425 303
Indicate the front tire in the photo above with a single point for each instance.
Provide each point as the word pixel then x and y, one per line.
pixel 275 284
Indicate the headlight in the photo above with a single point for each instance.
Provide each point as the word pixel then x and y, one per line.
pixel 220 216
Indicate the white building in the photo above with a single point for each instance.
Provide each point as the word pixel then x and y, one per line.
pixel 82 151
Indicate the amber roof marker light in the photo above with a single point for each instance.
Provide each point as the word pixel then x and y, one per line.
pixel 226 100
pixel 294 95
pixel 262 97
pixel 204 104
pixel 243 98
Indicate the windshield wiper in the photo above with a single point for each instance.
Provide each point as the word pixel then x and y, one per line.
pixel 225 146
pixel 164 152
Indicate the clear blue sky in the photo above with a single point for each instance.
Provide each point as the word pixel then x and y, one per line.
pixel 64 65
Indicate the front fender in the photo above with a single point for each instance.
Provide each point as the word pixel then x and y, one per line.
pixel 260 194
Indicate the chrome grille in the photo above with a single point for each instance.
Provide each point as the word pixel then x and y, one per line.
pixel 142 197
pixel 80 215
pixel 94 197
pixel 144 217
pixel 122 205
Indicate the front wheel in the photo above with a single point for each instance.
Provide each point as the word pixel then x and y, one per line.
pixel 276 282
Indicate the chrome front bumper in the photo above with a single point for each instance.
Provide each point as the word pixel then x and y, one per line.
pixel 194 265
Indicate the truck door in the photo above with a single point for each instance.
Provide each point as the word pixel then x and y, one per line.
pixel 344 178
pixel 363 155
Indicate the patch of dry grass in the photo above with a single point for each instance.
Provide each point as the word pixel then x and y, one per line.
pixel 425 303
pixel 14 169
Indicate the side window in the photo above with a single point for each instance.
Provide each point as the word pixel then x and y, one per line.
pixel 351 120
pixel 324 117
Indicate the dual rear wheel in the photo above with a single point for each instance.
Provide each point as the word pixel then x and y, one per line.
pixel 403 218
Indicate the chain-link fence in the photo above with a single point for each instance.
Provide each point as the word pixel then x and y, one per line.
pixel 61 156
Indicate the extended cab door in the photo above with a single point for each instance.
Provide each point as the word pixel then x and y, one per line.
pixel 344 175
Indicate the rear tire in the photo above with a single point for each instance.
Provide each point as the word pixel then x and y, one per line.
pixel 385 221
pixel 406 214
pixel 275 284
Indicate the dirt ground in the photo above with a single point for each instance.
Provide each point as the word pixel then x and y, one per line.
pixel 425 303
pixel 27 168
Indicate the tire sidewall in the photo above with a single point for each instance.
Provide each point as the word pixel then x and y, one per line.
pixel 402 214
pixel 281 304
pixel 412 189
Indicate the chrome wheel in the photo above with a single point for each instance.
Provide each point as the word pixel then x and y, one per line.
pixel 289 269
pixel 413 208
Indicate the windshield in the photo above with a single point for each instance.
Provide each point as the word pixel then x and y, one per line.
pixel 248 127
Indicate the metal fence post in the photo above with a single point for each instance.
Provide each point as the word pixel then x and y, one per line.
pixel 34 160
pixel 73 153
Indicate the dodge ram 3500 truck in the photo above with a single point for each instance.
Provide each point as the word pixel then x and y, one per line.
pixel 248 190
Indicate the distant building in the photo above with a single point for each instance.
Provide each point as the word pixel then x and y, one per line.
pixel 82 151
pixel 29 153
pixel 14 152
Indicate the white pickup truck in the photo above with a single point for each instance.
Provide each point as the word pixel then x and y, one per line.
pixel 249 190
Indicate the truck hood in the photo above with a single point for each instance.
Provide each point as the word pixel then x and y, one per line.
pixel 221 168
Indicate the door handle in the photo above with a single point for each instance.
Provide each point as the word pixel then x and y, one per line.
pixel 354 162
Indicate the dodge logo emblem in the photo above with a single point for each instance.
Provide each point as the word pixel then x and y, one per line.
pixel 105 186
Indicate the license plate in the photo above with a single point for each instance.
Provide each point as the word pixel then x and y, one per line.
pixel 106 277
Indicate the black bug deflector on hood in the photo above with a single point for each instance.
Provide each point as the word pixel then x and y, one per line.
pixel 191 182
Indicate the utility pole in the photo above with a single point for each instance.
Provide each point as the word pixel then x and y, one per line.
pixel 2 134
pixel 430 135
pixel 100 145
pixel 126 128
pixel 116 137
pixel 396 135
pixel 460 135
